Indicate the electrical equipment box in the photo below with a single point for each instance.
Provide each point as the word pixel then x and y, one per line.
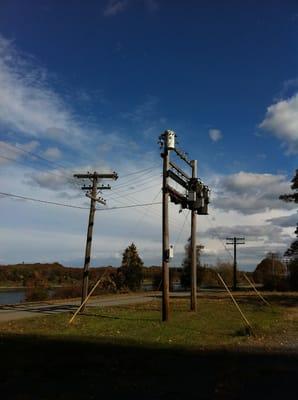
pixel 171 140
pixel 171 251
pixel 192 196
pixel 202 200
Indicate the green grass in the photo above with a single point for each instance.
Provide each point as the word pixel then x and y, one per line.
pixel 128 353
pixel 217 323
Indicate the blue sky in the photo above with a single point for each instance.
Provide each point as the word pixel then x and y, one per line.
pixel 92 85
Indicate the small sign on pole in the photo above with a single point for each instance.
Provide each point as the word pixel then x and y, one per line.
pixel 171 251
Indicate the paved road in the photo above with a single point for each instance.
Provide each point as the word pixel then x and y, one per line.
pixel 20 311
pixel 27 310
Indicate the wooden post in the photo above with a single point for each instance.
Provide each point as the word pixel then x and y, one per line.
pixel 236 304
pixel 165 233
pixel 87 298
pixel 193 244
pixel 89 240
pixel 255 289
pixel 92 193
pixel 235 265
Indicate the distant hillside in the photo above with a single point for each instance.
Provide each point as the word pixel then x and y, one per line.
pixel 48 274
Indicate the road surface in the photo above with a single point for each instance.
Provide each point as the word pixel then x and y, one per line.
pixel 20 311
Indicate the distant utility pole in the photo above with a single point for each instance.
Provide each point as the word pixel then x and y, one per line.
pixel 235 241
pixel 92 192
pixel 195 198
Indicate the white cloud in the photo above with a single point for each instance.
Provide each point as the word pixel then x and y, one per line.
pixel 252 232
pixel 12 153
pixel 53 153
pixel 28 105
pixel 215 135
pixel 250 193
pixel 54 179
pixel 115 7
pixel 285 221
pixel 281 120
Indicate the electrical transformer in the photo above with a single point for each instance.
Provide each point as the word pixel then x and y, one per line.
pixel 171 140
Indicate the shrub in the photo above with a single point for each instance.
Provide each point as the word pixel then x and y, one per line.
pixel 37 294
pixel 66 292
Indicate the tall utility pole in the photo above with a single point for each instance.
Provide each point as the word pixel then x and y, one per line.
pixel 193 244
pixel 165 228
pixel 235 241
pixel 195 198
pixel 92 192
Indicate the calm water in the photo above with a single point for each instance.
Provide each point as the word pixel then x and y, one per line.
pixel 15 296
pixel 12 296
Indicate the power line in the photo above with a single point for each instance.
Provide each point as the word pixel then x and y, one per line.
pixel 141 178
pixel 129 206
pixel 218 237
pixel 129 198
pixel 142 189
pixel 73 206
pixel 42 201
pixel 140 171
pixel 18 149
pixel 182 228
pixel 59 175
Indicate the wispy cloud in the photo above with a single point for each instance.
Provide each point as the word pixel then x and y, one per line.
pixel 215 135
pixel 143 112
pixel 9 152
pixel 115 7
pixel 28 105
pixel 151 5
pixel 52 153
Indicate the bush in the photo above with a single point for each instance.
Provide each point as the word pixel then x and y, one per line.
pixel 272 282
pixel 157 281
pixel 67 292
pixel 293 270
pixel 37 294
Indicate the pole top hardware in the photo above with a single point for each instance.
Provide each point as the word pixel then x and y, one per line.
pixel 96 175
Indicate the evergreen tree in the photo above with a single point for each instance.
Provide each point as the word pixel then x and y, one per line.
pixel 186 266
pixel 292 251
pixel 131 268
pixel 292 197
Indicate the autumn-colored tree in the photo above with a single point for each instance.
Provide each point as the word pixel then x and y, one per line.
pixel 271 272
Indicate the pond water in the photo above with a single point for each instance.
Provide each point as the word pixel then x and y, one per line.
pixel 12 296
pixel 15 296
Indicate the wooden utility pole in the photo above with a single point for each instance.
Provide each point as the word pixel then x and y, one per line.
pixel 165 230
pixel 193 244
pixel 195 198
pixel 92 194
pixel 235 241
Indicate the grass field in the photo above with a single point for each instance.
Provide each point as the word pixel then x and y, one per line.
pixel 126 352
